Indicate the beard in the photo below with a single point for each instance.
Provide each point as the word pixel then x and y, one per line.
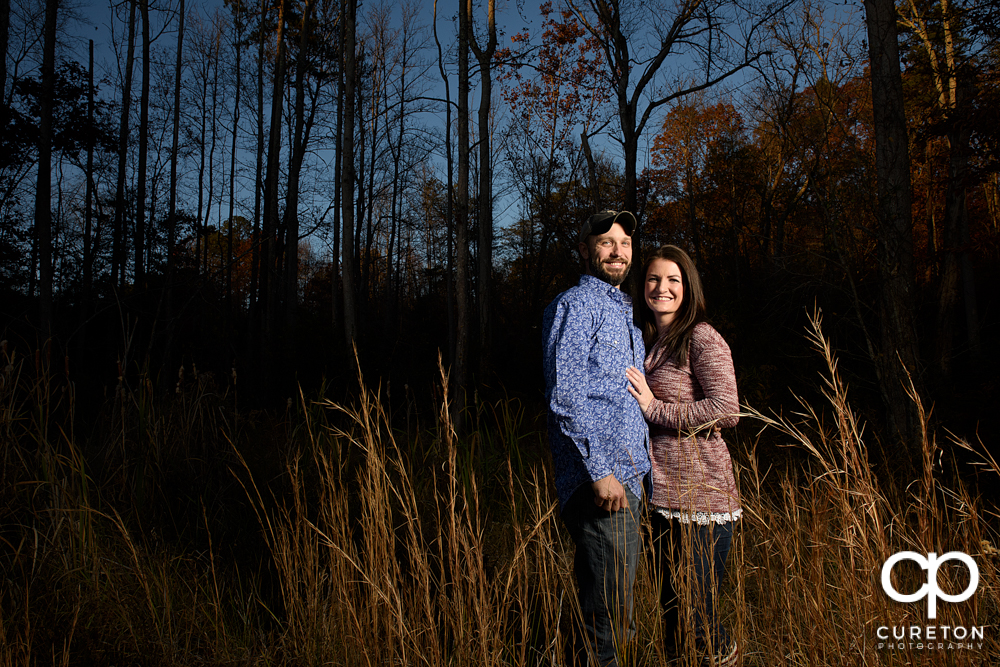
pixel 598 270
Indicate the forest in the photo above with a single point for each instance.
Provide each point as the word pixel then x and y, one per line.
pixel 259 257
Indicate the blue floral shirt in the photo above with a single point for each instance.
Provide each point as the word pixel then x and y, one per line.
pixel 595 426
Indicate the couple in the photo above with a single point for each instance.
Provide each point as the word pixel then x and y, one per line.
pixel 604 454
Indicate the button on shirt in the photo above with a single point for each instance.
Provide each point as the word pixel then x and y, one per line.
pixel 595 426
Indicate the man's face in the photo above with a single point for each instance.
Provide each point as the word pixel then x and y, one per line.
pixel 608 255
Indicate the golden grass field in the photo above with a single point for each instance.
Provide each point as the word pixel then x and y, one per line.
pixel 389 540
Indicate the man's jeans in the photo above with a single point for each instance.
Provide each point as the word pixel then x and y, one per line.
pixel 607 552
pixel 691 565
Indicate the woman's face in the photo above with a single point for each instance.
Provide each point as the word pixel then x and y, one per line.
pixel 664 289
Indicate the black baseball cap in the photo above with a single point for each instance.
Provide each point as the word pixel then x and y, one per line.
pixel 601 222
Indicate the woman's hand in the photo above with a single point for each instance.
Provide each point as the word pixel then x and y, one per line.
pixel 638 387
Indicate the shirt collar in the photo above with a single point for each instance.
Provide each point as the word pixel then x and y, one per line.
pixel 594 283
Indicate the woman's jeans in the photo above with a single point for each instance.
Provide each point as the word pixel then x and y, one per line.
pixel 691 564
pixel 607 552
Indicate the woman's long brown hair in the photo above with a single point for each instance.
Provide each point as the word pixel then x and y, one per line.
pixel 676 338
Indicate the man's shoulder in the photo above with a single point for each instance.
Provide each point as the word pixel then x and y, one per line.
pixel 579 309
pixel 577 294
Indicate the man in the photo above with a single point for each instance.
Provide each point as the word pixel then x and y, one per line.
pixel 596 430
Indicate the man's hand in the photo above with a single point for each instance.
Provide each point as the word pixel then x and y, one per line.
pixel 609 494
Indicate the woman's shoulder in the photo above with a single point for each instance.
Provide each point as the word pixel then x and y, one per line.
pixel 705 331
pixel 704 336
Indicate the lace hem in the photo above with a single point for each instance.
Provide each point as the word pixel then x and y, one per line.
pixel 700 518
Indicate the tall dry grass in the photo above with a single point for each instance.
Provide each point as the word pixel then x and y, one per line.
pixel 382 562
pixel 383 546
pixel 815 538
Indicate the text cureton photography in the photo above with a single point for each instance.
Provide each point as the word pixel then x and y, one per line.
pixel 930 637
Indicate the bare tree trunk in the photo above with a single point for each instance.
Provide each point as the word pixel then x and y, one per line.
pixel 214 134
pixel 348 175
pixel 255 252
pixel 692 202
pixel 361 257
pixel 462 221
pixel 43 189
pixel 485 285
pixel 957 285
pixel 174 157
pixel 172 195
pixel 294 172
pixel 449 213
pixel 397 162
pixel 991 194
pixel 118 241
pixel 338 185
pixel 140 203
pixel 237 45
pixel 951 83
pixel 595 190
pixel 88 220
pixel 396 213
pixel 392 254
pixel 201 222
pixel 898 354
pixel 269 251
pixel 366 208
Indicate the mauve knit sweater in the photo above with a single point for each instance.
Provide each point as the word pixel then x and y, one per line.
pixel 691 467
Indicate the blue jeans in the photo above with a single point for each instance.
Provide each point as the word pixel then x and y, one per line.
pixel 691 564
pixel 607 552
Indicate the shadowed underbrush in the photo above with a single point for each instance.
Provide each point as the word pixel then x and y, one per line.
pixel 183 532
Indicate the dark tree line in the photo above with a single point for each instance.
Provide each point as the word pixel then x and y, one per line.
pixel 268 185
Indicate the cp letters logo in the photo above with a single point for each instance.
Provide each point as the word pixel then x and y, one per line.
pixel 930 590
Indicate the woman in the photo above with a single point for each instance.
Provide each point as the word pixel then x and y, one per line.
pixel 687 394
